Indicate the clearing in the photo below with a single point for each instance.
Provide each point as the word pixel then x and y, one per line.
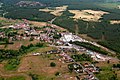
pixel 57 11
pixel 115 21
pixel 88 15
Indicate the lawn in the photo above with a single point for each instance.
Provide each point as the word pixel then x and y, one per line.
pixel 1 78
pixel 106 72
pixel 106 75
pixel 13 78
pixel 12 64
pixel 16 78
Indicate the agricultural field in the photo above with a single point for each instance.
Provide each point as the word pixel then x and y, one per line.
pixel 87 15
pixel 57 11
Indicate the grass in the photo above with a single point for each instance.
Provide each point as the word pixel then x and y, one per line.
pixel 106 75
pixel 44 78
pixel 1 78
pixel 40 77
pixel 13 78
pixel 16 78
pixel 12 64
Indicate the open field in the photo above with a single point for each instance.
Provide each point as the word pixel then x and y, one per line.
pixel 18 44
pixel 57 11
pixel 32 64
pixel 39 24
pixel 88 15
pixel 107 72
pixel 115 21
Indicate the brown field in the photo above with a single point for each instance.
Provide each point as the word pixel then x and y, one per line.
pixel 87 15
pixel 115 21
pixel 57 11
pixel 39 65
pixel 18 44
pixel 39 24
pixel 7 22
pixel 118 74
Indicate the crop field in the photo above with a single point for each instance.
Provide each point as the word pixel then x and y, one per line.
pixel 57 11
pixel 87 15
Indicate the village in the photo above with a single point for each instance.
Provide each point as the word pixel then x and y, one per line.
pixel 60 39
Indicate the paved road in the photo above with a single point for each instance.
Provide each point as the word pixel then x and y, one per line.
pixel 51 22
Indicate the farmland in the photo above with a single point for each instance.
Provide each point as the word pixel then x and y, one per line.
pixel 57 11
pixel 87 15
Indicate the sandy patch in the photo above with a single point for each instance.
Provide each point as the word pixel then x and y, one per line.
pixel 87 15
pixel 115 21
pixel 39 24
pixel 57 11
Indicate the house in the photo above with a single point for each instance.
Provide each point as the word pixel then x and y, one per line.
pixel 91 68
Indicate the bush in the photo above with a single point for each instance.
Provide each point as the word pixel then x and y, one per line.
pixel 52 64
pixel 81 57
pixel 57 73
pixel 90 47
pixel 12 64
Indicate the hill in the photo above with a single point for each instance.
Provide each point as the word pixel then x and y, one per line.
pixel 93 29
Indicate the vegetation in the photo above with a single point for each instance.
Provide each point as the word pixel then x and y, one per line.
pixel 91 47
pixel 57 36
pixel 52 64
pixel 11 54
pixel 107 76
pixel 16 78
pixel 1 78
pixel 13 78
pixel 116 65
pixel 57 73
pixel 34 76
pixel 70 67
pixel 39 77
pixel 81 57
pixel 30 14
pixel 94 30
pixel 12 64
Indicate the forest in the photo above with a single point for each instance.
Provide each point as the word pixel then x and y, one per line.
pixel 96 30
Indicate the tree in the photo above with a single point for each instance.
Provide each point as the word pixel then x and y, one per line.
pixel 31 39
pixel 39 45
pixel 52 64
pixel 57 36
pixel 70 67
pixel 57 73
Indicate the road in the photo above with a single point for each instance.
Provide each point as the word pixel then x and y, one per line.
pixel 51 22
pixel 5 14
